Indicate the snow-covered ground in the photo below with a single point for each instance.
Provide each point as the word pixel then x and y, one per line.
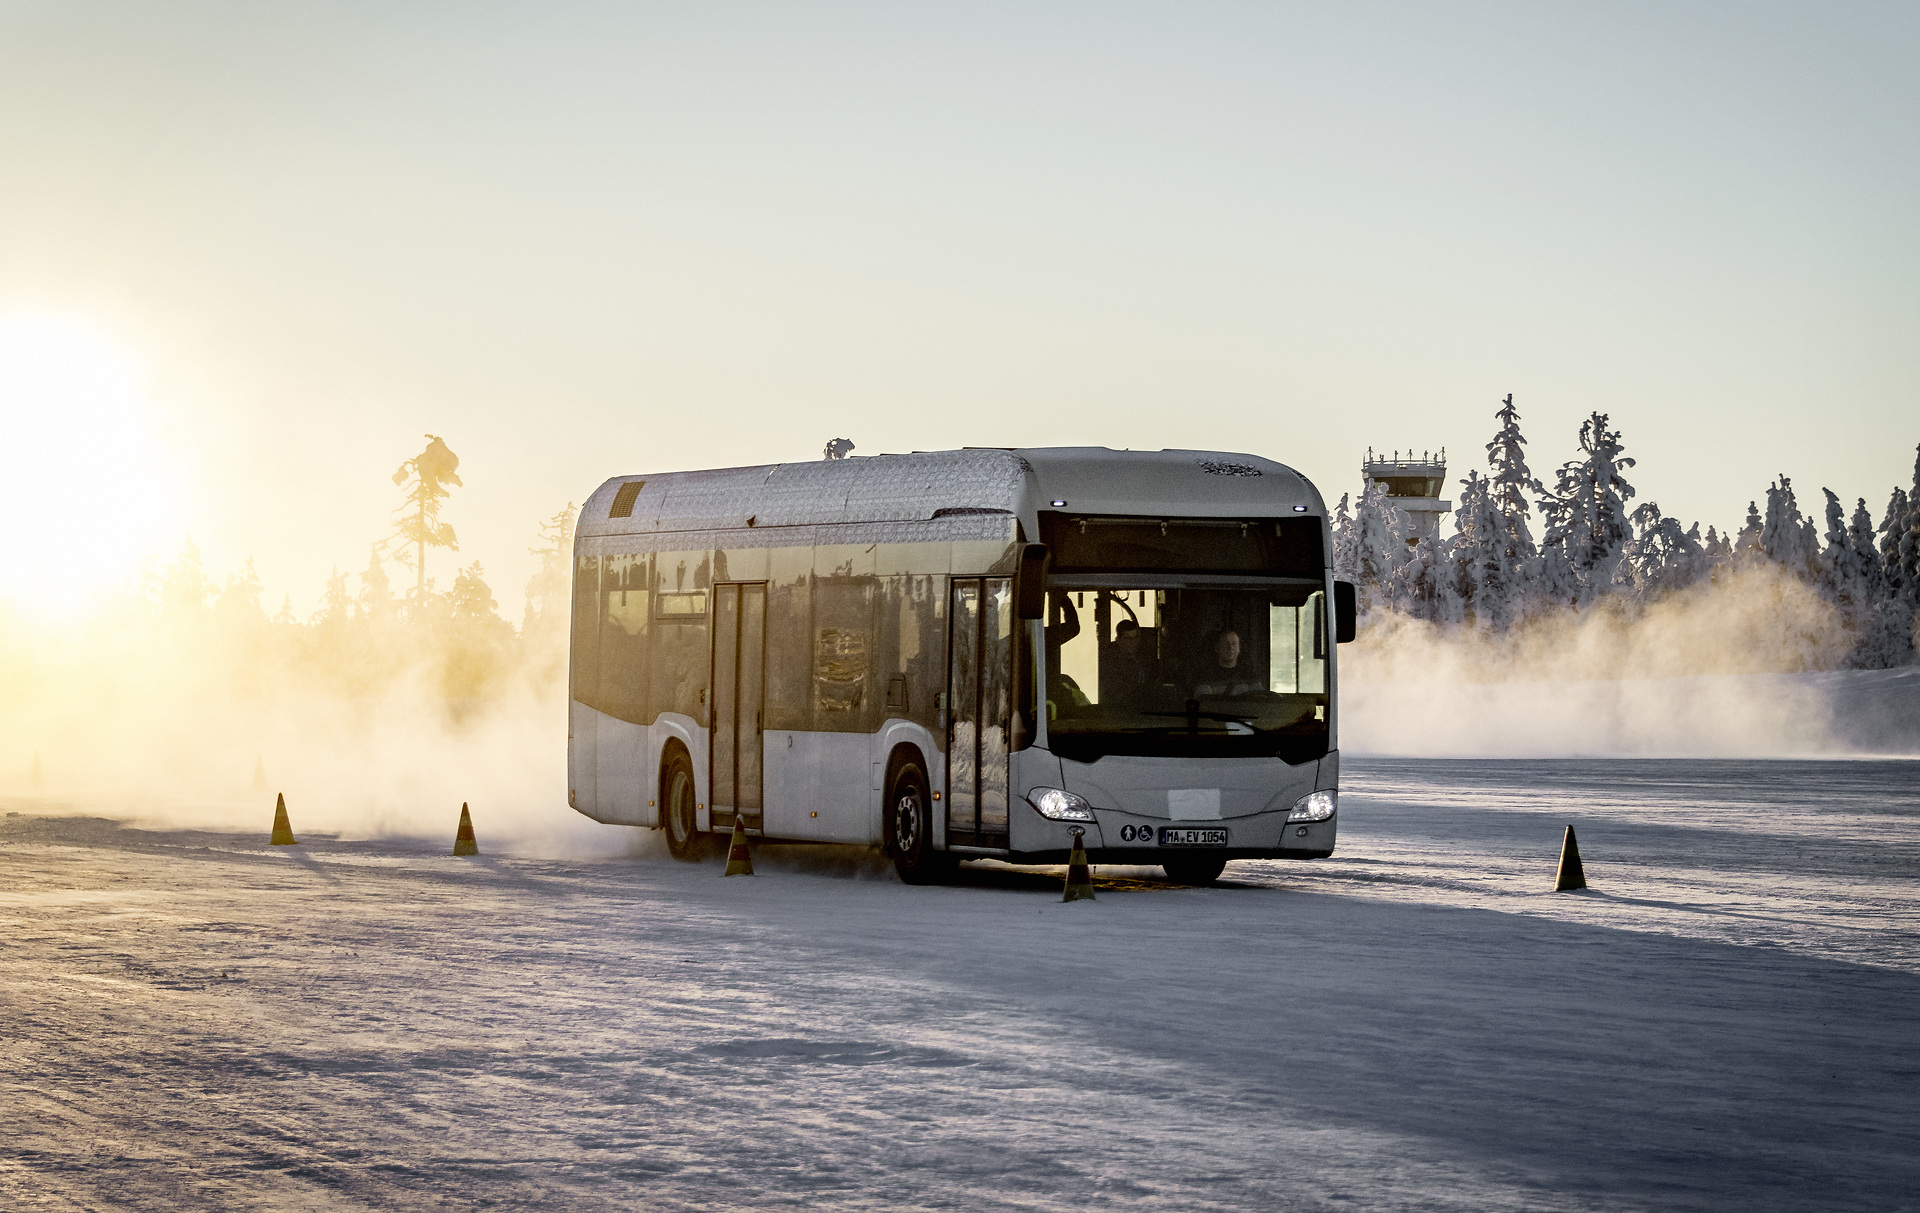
pixel 1730 1019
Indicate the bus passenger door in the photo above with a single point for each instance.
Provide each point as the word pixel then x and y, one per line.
pixel 739 698
pixel 979 712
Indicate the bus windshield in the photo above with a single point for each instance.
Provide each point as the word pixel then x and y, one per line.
pixel 1214 670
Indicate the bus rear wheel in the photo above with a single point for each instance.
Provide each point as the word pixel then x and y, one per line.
pixel 678 810
pixel 910 828
pixel 1195 870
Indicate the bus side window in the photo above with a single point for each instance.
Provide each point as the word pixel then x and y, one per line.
pixel 790 639
pixel 586 630
pixel 996 700
pixel 910 646
pixel 1312 644
pixel 625 665
pixel 843 653
pixel 680 657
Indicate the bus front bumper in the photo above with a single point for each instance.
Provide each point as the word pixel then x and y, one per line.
pixel 1121 838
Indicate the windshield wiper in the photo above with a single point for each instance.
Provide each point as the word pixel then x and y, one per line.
pixel 1197 715
pixel 1194 716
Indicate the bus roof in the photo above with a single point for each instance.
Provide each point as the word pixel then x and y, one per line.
pixel 977 480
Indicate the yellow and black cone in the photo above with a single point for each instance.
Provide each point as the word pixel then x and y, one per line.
pixel 739 859
pixel 282 828
pixel 1079 880
pixel 463 842
pixel 1571 875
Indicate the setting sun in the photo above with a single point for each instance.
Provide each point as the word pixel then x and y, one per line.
pixel 85 480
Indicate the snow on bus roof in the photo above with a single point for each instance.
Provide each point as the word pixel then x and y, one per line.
pixel 925 484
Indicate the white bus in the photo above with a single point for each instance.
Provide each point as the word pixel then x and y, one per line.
pixel 964 654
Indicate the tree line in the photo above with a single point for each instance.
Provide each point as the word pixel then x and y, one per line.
pixel 1597 551
pixel 181 631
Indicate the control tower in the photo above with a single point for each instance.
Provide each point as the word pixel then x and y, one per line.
pixel 1413 489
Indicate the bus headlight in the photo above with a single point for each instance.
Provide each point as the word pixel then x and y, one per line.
pixel 1317 807
pixel 1056 804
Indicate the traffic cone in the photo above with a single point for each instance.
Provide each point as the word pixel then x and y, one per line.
pixel 1079 882
pixel 463 843
pixel 739 859
pixel 282 828
pixel 1571 875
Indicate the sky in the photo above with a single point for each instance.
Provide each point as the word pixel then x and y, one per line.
pixel 250 254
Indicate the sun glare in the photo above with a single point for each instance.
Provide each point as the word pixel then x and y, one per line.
pixel 86 485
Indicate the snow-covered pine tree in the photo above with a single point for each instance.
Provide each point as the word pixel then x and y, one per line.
pixel 1886 638
pixel 471 598
pixel 1343 549
pixel 1469 561
pixel 1587 511
pixel 239 602
pixel 185 587
pixel 1906 600
pixel 1859 588
pixel 1849 579
pixel 1511 481
pixel 1785 538
pixel 1553 580
pixel 1703 564
pixel 1860 538
pixel 1417 585
pixel 1909 549
pixel 1892 529
pixel 376 594
pixel 1840 576
pixel 547 605
pixel 1746 544
pixel 1464 555
pixel 1718 547
pixel 337 606
pixel 1374 541
pixel 1661 557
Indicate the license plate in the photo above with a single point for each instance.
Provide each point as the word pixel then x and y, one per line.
pixel 1175 836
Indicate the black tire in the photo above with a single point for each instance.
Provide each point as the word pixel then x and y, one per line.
pixel 909 824
pixel 1198 869
pixel 677 813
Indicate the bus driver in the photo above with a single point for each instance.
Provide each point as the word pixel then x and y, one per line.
pixel 1227 676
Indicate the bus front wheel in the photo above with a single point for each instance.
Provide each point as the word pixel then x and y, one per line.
pixel 677 810
pixel 910 828
pixel 1196 870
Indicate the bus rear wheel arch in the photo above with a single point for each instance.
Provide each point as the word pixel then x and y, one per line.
pixel 678 808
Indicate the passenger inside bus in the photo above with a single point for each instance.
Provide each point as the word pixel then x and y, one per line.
pixel 1132 672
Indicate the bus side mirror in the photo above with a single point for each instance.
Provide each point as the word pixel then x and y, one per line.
pixel 1030 583
pixel 1345 612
